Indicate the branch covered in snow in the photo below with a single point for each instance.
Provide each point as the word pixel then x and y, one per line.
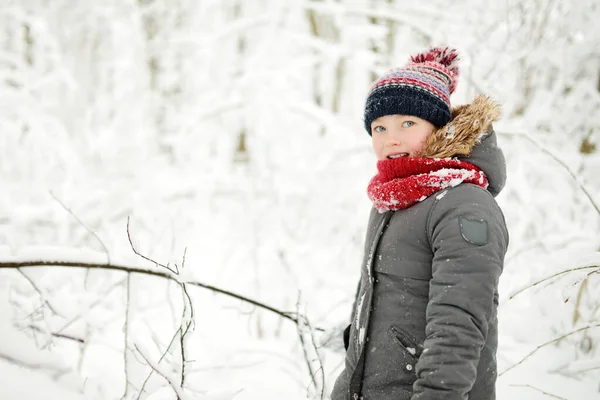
pixel 176 388
pixel 160 274
pixel 142 389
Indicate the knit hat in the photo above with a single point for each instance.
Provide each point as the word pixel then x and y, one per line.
pixel 422 88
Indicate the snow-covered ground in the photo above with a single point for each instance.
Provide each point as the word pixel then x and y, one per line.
pixel 229 134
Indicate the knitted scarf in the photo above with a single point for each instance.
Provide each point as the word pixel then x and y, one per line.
pixel 404 181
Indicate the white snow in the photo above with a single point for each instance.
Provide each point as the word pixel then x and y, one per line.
pixel 222 131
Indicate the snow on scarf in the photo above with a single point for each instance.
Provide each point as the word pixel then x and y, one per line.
pixel 404 181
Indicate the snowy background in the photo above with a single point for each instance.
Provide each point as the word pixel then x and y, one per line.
pixel 229 133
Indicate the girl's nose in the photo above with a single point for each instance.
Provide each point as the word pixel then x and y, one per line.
pixel 394 137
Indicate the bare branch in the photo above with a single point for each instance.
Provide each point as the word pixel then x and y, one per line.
pixel 576 313
pixel 103 296
pixel 178 390
pixel 83 348
pixel 186 323
pixel 304 350
pixel 562 163
pixel 183 260
pixel 140 254
pixel 321 368
pixel 159 360
pixel 541 346
pixel 554 276
pixel 57 335
pixel 57 371
pixel 114 267
pixel 126 335
pixel 39 291
pixel 541 391
pixel 87 228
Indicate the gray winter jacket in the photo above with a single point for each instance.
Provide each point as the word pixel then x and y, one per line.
pixel 424 324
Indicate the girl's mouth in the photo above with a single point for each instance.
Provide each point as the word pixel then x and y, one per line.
pixel 397 155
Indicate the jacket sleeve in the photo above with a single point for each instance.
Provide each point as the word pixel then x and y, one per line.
pixel 468 237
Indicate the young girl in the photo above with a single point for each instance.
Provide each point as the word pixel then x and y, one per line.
pixel 424 324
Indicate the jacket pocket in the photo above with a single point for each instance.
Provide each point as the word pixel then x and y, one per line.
pixel 407 343
pixel 346 337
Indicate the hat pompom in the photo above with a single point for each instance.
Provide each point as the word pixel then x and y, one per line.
pixel 446 56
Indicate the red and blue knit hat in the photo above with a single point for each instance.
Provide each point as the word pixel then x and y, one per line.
pixel 422 88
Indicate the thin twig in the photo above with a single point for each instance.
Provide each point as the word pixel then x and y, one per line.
pixel 540 390
pixel 94 304
pixel 548 343
pixel 582 288
pixel 182 350
pixel 186 322
pixel 35 365
pixel 186 294
pixel 553 276
pixel 83 348
pixel 67 209
pixel 188 299
pixel 304 350
pixel 39 292
pixel 178 390
pixel 567 370
pixel 185 327
pixel 140 254
pixel 587 370
pixel 38 310
pixel 126 334
pixel 115 267
pixel 159 360
pixel 38 315
pixel 57 335
pixel 562 163
pixel 321 368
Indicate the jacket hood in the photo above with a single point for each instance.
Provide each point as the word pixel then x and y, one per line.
pixel 470 137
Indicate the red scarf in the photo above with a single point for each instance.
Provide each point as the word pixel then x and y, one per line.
pixel 404 181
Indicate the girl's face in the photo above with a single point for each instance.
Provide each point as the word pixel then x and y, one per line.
pixel 399 136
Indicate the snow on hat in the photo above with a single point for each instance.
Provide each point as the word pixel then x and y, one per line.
pixel 421 88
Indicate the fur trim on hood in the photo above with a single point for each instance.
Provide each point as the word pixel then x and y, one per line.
pixel 469 124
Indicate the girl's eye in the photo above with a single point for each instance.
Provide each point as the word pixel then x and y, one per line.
pixel 407 124
pixel 378 128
